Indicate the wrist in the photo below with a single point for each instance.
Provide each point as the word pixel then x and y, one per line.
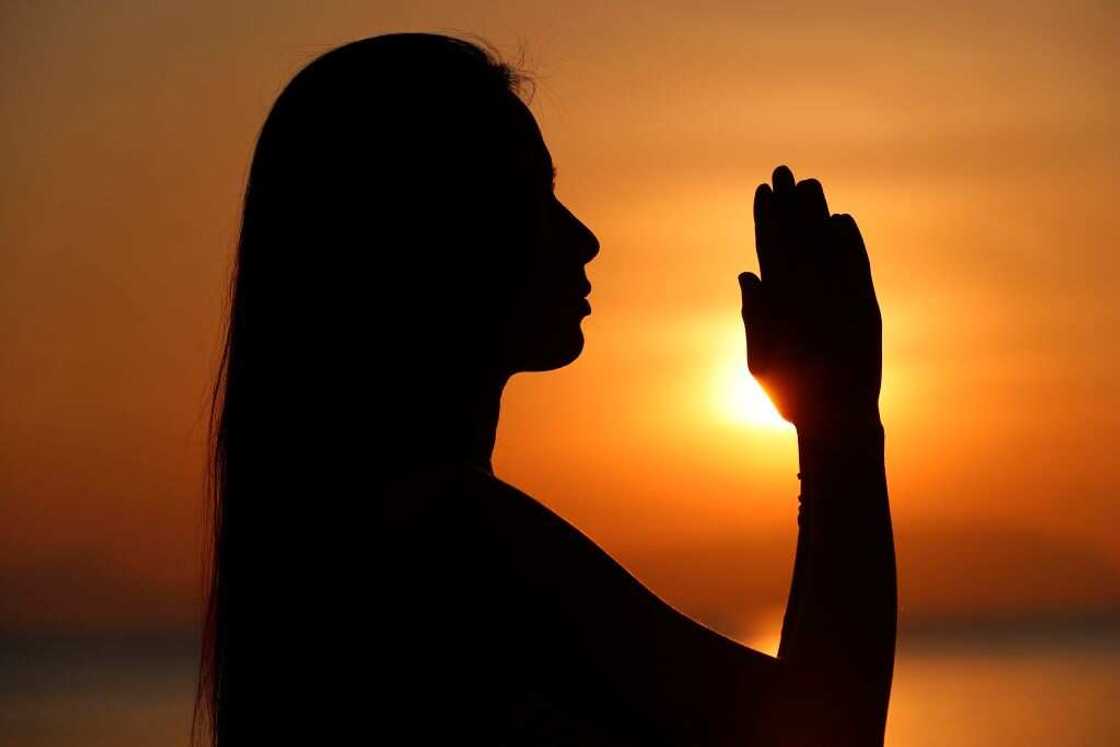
pixel 840 446
pixel 841 428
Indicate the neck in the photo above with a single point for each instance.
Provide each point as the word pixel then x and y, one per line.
pixel 457 421
pixel 475 425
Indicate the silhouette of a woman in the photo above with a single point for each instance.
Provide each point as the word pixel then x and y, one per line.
pixel 402 255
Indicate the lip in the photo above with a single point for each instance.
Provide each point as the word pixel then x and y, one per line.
pixel 585 306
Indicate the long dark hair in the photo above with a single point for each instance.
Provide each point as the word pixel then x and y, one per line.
pixel 370 172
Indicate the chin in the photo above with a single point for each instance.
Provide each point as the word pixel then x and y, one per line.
pixel 556 350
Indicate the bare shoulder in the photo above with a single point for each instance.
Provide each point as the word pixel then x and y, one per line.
pixel 543 553
pixel 684 677
pixel 449 491
pixel 679 675
pixel 458 510
pixel 462 493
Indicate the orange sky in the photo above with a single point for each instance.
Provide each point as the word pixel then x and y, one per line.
pixel 976 146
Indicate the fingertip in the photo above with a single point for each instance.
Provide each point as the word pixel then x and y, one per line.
pixel 842 224
pixel 762 197
pixel 783 178
pixel 810 186
pixel 850 241
pixel 749 285
pixel 748 280
pixel 812 200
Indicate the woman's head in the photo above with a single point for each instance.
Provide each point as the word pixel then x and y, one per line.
pixel 401 192
pixel 400 243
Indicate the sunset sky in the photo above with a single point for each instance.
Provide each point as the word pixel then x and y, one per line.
pixel 976 146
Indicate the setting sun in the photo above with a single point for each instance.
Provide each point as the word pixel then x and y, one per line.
pixel 740 399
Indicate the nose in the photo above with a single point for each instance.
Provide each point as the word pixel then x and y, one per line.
pixel 583 238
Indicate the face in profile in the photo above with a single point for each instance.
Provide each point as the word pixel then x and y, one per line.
pixel 543 329
pixel 402 195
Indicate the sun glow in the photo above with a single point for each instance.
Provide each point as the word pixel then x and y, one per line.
pixel 739 398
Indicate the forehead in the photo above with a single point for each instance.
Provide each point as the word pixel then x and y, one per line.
pixel 528 139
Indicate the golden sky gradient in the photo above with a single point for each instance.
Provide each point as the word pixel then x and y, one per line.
pixel 976 145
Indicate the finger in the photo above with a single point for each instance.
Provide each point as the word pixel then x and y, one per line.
pixel 764 229
pixel 811 205
pixel 783 180
pixel 754 310
pixel 751 287
pixel 784 250
pixel 854 266
pixel 810 216
pixel 854 240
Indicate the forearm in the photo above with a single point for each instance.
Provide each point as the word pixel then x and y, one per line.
pixel 837 649
pixel 814 341
pixel 798 580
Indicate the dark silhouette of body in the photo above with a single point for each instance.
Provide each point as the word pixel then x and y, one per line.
pixel 402 255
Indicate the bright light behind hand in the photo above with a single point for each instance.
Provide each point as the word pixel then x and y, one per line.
pixel 738 397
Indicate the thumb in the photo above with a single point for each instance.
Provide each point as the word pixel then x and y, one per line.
pixel 751 288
